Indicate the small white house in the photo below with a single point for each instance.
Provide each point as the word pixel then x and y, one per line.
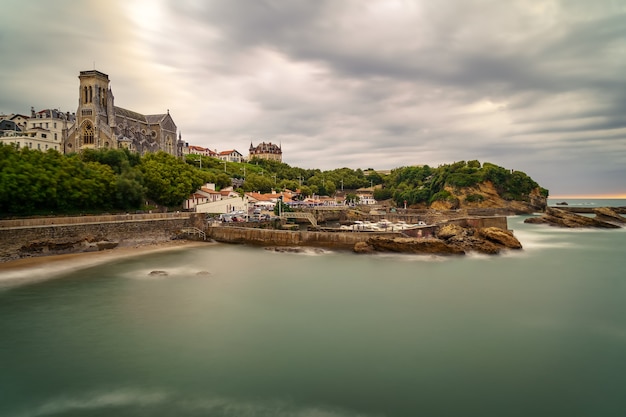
pixel 227 205
pixel 231 156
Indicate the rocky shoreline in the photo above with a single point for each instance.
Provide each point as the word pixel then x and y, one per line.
pixel 604 218
pixel 450 239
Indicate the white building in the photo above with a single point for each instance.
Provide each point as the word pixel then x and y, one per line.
pixel 227 205
pixel 231 156
pixel 39 139
pixel 42 131
pixel 206 194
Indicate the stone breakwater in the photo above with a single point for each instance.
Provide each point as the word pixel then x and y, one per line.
pixel 446 239
pixel 41 237
pixel 52 236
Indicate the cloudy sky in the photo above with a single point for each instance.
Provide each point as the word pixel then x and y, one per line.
pixel 538 86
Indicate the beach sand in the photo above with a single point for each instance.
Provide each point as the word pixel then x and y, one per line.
pixel 48 266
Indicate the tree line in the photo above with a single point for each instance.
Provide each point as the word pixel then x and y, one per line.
pixel 35 182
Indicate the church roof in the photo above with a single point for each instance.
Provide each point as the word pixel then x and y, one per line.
pixel 155 118
pixel 130 114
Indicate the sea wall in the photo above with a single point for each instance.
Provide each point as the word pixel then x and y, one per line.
pixel 270 237
pixel 91 234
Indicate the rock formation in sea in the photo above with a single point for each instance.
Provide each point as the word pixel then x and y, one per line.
pixel 608 214
pixel 563 218
pixel 451 239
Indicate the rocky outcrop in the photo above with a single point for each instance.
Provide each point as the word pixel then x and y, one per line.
pixel 485 195
pixel 562 218
pixel 488 240
pixel 500 237
pixel 609 215
pixel 451 239
pixel 413 245
pixel 363 247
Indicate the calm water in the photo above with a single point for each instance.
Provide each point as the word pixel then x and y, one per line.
pixel 541 332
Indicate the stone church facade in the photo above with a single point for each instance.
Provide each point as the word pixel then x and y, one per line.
pixel 101 125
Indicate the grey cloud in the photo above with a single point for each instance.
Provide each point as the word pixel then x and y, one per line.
pixel 534 86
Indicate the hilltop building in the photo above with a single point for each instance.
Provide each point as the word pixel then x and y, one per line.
pixel 264 150
pixel 100 124
pixel 198 150
pixel 20 120
pixel 42 131
pixel 231 155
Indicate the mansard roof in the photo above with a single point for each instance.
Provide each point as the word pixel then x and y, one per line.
pixel 266 148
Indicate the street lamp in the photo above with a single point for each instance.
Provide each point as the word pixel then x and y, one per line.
pixel 200 160
pixel 224 166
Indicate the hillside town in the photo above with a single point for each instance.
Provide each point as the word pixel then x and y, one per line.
pixel 98 123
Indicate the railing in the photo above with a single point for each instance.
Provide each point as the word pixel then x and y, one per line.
pixel 57 221
pixel 193 231
pixel 300 215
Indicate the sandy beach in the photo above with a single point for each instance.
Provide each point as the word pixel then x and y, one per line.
pixel 42 267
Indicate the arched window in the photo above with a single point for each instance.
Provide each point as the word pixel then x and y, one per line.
pixel 90 94
pixel 86 95
pixel 88 134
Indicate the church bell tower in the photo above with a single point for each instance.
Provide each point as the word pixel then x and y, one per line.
pixel 92 114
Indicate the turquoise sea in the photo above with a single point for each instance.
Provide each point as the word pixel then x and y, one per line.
pixel 537 332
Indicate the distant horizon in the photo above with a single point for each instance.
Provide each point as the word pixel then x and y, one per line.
pixel 594 197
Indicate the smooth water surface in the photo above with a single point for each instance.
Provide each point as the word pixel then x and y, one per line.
pixel 538 332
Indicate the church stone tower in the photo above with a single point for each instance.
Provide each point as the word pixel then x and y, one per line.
pixel 94 107
pixel 102 125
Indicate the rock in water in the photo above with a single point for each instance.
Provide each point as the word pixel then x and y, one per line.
pixel 500 237
pixel 362 247
pixel 562 218
pixel 413 245
pixel 608 215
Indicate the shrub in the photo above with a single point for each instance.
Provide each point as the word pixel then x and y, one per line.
pixel 475 198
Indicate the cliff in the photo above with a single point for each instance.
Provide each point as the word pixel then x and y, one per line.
pixel 485 195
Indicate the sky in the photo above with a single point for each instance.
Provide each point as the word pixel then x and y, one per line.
pixel 537 86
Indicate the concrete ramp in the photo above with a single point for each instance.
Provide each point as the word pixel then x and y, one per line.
pixel 300 215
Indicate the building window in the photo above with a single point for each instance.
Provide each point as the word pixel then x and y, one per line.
pixel 55 136
pixel 86 95
pixel 46 125
pixel 55 125
pixel 88 134
pixel 43 135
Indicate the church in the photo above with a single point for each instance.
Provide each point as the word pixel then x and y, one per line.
pixel 101 125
